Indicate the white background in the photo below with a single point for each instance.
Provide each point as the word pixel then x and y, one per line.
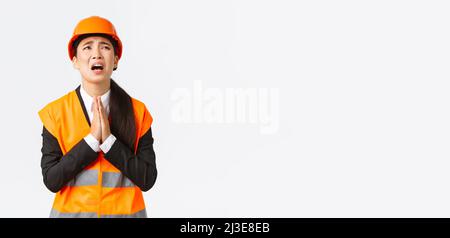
pixel 364 103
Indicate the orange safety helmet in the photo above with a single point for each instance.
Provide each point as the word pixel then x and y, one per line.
pixel 94 25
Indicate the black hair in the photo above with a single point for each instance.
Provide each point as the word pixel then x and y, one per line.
pixel 122 125
pixel 82 37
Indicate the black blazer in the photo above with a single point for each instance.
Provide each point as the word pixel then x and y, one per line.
pixel 58 170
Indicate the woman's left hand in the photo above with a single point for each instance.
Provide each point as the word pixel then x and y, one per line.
pixel 103 121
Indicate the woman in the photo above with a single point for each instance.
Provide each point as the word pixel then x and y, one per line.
pixel 97 153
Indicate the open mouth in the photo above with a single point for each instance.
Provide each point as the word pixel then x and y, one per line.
pixel 97 67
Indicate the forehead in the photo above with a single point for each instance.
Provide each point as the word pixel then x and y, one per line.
pixel 94 39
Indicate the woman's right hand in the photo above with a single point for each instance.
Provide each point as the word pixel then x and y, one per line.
pixel 96 128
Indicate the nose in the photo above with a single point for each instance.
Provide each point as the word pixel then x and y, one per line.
pixel 96 54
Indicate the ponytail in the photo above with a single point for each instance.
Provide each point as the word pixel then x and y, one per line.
pixel 121 111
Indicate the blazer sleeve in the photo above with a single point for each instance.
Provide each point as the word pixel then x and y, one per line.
pixel 140 168
pixel 59 169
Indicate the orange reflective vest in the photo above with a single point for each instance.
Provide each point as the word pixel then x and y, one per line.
pixel 100 190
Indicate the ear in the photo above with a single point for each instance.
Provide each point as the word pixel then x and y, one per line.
pixel 116 62
pixel 75 63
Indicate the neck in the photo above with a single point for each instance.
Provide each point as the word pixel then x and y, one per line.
pixel 96 89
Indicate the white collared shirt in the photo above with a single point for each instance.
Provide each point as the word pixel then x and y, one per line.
pixel 90 139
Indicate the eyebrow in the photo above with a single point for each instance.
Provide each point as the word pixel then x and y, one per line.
pixel 102 43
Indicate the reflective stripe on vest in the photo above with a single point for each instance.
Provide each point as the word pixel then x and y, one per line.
pixel 139 214
pixel 85 178
pixel 56 214
pixel 109 179
pixel 115 180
